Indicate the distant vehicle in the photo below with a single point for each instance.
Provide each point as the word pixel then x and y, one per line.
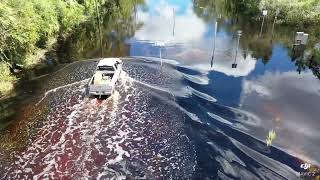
pixel 105 77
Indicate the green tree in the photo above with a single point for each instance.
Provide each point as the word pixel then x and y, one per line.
pixel 29 27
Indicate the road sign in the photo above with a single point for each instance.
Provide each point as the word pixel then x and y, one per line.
pixel 264 12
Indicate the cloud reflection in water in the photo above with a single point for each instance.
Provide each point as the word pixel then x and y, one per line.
pixel 286 101
pixel 192 42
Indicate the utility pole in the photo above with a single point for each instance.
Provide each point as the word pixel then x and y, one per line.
pixel 99 26
pixel 214 41
pixel 135 13
pixel 274 21
pixel 264 14
pixel 215 34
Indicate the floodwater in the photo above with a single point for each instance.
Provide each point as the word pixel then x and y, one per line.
pixel 191 114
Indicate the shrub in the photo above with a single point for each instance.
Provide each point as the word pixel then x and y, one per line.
pixel 6 78
pixel 28 25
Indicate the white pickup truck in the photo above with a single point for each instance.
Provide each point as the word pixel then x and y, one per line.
pixel 105 77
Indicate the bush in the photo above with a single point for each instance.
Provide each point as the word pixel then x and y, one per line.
pixel 28 25
pixel 6 78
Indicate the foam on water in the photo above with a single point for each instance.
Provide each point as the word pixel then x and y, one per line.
pixel 60 87
pixel 202 80
pixel 203 95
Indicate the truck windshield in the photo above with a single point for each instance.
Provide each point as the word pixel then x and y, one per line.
pixel 106 68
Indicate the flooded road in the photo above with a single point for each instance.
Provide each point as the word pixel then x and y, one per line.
pixel 193 114
pixel 136 133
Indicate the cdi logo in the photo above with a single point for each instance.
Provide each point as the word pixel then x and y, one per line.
pixel 305 166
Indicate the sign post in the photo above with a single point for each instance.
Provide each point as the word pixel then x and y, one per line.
pixel 264 14
pixel 234 65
